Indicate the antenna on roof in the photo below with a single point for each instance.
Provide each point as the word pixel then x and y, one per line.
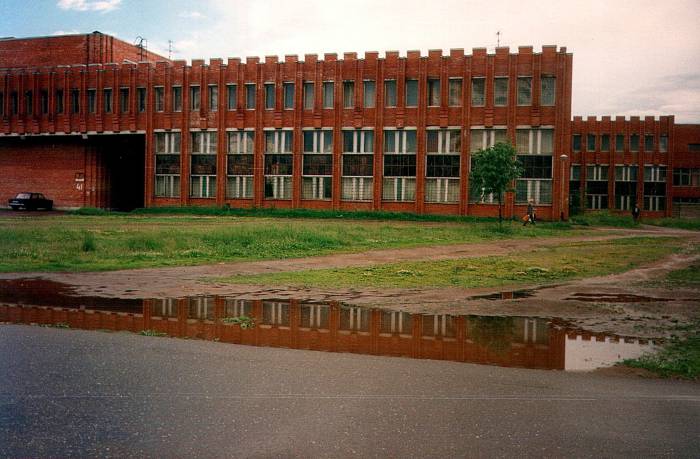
pixel 170 49
pixel 498 39
pixel 142 44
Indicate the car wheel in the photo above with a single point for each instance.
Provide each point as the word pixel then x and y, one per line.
pixel 49 207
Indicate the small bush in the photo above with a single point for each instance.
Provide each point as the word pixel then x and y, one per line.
pixel 89 244
pixel 88 211
pixel 244 321
pixel 152 333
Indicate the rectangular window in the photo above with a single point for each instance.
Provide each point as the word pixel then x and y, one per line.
pixel 654 188
pixel 534 141
pixel 369 93
pixel 605 142
pixel 203 164
pixel 288 95
pixel 2 103
pixel 318 164
pixel 124 100
pixel 399 182
pixel 619 143
pixel 92 100
pixel 597 187
pixel 547 94
pixel 685 176
pixel 269 96
pixel 390 93
pixel 159 98
pixel 358 165
pixel 576 142
pixel 478 92
pixel 328 94
pixel 634 142
pixel 455 92
pixel 538 191
pixel 177 98
pixel 141 99
pixel 59 101
pixel 433 92
pixel 308 95
pixel 14 103
pixel 239 164
pixel 484 138
pixel 625 173
pixel 44 101
pixel 663 143
pixel 107 100
pixel 314 316
pixel 500 91
pixel 411 93
pixel 167 164
pixel 231 99
pixel 75 100
pixel 625 187
pixel 28 102
pixel 648 142
pixel 524 90
pixel 590 142
pixel 443 147
pixel 250 96
pixel 278 166
pixel 213 99
pixel 348 94
pixel 195 101
pixel 655 174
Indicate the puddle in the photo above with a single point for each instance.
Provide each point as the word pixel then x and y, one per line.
pixel 526 342
pixel 514 295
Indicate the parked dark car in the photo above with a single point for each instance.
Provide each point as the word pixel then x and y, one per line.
pixel 30 201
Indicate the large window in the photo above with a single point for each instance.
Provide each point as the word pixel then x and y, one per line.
pixel 411 93
pixel 455 92
pixel 288 89
pixel 269 96
pixel 308 95
pixel 443 147
pixel 399 182
pixel 480 139
pixel 369 93
pixel 478 92
pixel 250 96
pixel 390 93
pixel 685 176
pixel 167 162
pixel 317 171
pixel 534 148
pixel 195 98
pixel 328 94
pixel 547 90
pixel 597 186
pixel 500 91
pixel 654 187
pixel 239 167
pixel 348 94
pixel 625 187
pixel 358 165
pixel 433 92
pixel 203 164
pixel 278 163
pixel 524 90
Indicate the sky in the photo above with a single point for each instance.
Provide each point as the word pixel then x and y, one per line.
pixel 635 57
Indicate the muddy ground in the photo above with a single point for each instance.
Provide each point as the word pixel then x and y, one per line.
pixel 633 303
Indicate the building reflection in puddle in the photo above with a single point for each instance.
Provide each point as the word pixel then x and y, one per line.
pixel 506 341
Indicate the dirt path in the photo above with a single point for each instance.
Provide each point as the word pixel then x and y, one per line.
pixel 606 303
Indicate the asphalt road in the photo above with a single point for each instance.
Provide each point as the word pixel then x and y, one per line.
pixel 80 393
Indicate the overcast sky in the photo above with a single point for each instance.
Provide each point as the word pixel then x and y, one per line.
pixel 630 57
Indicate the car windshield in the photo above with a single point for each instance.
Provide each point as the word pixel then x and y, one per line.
pixel 22 196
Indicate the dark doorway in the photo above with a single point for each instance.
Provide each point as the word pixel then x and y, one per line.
pixel 124 163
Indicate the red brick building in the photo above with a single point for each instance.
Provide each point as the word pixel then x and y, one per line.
pixel 374 133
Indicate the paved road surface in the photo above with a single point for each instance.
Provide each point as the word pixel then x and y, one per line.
pixel 81 393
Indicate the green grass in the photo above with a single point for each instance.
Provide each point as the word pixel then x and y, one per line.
pixel 680 358
pixel 565 261
pixel 118 241
pixel 689 276
pixel 624 220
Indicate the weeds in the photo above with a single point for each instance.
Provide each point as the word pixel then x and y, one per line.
pixel 152 333
pixel 89 244
pixel 244 321
pixel 681 357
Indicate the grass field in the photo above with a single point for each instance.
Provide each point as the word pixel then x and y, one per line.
pixel 565 261
pixel 123 241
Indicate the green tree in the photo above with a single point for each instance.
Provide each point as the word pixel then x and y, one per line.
pixel 493 171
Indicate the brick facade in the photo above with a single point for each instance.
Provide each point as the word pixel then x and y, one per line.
pixel 373 133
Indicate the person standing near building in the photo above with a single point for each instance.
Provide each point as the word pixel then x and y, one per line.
pixel 635 213
pixel 530 213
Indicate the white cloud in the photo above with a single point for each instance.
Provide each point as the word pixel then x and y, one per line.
pixel 191 15
pixel 66 32
pixel 89 5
